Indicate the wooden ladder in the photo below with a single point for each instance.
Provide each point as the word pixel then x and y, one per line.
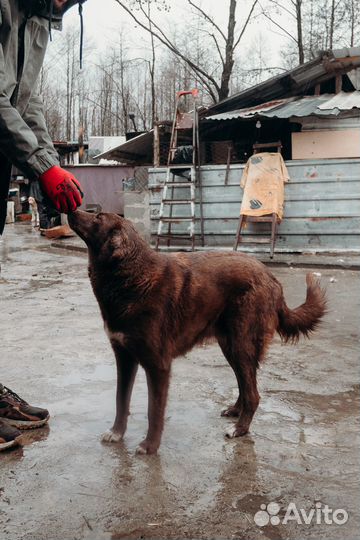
pixel 190 173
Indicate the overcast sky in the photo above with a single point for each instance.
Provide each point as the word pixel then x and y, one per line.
pixel 103 17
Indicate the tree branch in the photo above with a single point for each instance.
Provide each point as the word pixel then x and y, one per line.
pixel 279 26
pixel 258 70
pixel 166 41
pixel 218 49
pixel 208 18
pixel 283 8
pixel 106 109
pixel 245 24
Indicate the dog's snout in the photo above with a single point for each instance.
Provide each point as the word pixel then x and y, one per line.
pixel 80 222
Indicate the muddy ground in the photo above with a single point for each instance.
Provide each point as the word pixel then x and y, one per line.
pixel 65 484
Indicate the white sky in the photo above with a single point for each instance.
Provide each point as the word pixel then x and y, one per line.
pixel 102 18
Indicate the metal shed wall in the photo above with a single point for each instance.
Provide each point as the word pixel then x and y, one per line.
pixel 322 206
pixel 102 185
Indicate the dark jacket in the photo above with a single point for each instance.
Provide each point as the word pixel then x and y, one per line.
pixel 24 138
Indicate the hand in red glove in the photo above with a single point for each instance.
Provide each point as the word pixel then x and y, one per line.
pixel 62 188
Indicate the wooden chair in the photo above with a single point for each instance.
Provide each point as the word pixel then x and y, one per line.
pixel 267 218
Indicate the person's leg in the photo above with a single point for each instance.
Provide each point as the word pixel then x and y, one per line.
pixel 14 411
pixel 18 413
pixel 5 173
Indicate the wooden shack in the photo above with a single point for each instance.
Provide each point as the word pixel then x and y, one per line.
pixel 314 110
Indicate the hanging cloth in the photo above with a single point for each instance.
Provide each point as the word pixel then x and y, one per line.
pixel 263 184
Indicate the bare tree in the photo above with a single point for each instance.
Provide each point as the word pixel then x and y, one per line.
pixel 151 64
pixel 225 42
pixel 352 9
pixel 314 25
pixel 290 10
pixel 99 99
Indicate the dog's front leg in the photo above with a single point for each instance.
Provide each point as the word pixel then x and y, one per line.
pixel 158 383
pixel 126 371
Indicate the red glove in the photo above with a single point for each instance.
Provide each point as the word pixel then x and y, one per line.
pixel 62 188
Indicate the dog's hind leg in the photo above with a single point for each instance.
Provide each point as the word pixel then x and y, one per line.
pixel 249 396
pixel 236 409
pixel 244 359
pixel 158 383
pixel 126 372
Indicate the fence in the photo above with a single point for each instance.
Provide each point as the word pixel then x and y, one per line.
pixel 322 206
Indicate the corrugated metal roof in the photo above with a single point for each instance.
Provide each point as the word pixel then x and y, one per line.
pixel 249 112
pixel 344 101
pixel 136 148
pixel 295 81
pixel 323 105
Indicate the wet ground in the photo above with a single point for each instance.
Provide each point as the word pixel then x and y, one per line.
pixel 65 484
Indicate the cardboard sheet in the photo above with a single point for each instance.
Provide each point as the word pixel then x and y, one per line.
pixel 263 183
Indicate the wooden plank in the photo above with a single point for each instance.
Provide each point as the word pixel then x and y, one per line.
pixel 292 243
pixel 300 171
pixel 296 226
pixel 338 83
pixel 326 144
pixel 312 209
pixel 321 209
pixel 219 195
pixel 156 145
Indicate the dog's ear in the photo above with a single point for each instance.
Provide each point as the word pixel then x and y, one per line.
pixel 119 240
pixel 117 245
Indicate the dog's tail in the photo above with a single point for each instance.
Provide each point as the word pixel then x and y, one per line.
pixel 305 318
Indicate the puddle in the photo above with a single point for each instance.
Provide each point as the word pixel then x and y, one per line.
pixel 100 373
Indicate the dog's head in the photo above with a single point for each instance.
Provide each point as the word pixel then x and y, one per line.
pixel 106 235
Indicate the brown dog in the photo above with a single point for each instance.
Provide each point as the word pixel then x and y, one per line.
pixel 158 306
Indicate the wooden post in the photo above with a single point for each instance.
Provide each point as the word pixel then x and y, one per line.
pixel 156 145
pixel 81 145
pixel 228 165
pixel 338 84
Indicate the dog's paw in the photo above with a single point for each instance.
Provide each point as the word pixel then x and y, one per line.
pixel 146 448
pixel 236 431
pixel 111 437
pixel 140 450
pixel 231 412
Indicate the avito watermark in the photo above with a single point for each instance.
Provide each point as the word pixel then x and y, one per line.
pixel 317 515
